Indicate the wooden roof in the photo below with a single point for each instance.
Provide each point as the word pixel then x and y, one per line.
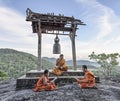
pixel 51 22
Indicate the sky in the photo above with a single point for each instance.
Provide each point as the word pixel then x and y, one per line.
pixel 101 33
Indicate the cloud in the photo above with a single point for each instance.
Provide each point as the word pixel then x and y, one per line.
pixel 106 25
pixel 13 23
pixel 107 22
pixel 101 16
pixel 15 32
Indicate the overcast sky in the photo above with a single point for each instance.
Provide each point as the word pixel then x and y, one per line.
pixel 101 34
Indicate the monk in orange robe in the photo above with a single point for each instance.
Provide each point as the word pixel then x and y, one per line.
pixel 88 80
pixel 44 83
pixel 60 66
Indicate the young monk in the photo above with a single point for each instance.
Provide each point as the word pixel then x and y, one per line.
pixel 88 80
pixel 60 66
pixel 44 83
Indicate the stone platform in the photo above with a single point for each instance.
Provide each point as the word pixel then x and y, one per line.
pixel 35 73
pixel 31 77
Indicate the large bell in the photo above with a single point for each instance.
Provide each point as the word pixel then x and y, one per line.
pixel 56 46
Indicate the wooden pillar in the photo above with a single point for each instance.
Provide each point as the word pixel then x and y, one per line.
pixel 72 36
pixel 39 62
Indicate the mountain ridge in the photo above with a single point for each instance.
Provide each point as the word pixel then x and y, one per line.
pixel 49 59
pixel 16 63
pixel 69 62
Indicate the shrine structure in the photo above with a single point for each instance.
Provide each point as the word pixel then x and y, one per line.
pixel 56 25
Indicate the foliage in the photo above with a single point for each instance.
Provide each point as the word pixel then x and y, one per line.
pixel 106 61
pixel 3 74
pixel 16 63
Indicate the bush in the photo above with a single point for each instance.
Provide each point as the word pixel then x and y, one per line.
pixel 3 75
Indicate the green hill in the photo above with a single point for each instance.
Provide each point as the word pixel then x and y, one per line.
pixel 15 63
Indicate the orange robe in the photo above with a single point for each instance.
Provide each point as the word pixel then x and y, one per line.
pixel 40 86
pixel 60 63
pixel 88 80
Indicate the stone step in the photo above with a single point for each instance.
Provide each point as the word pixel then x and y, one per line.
pixel 28 82
pixel 35 73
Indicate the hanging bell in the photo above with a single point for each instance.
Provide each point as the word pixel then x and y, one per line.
pixel 56 46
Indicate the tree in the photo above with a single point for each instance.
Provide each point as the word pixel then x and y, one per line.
pixel 106 61
pixel 3 75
